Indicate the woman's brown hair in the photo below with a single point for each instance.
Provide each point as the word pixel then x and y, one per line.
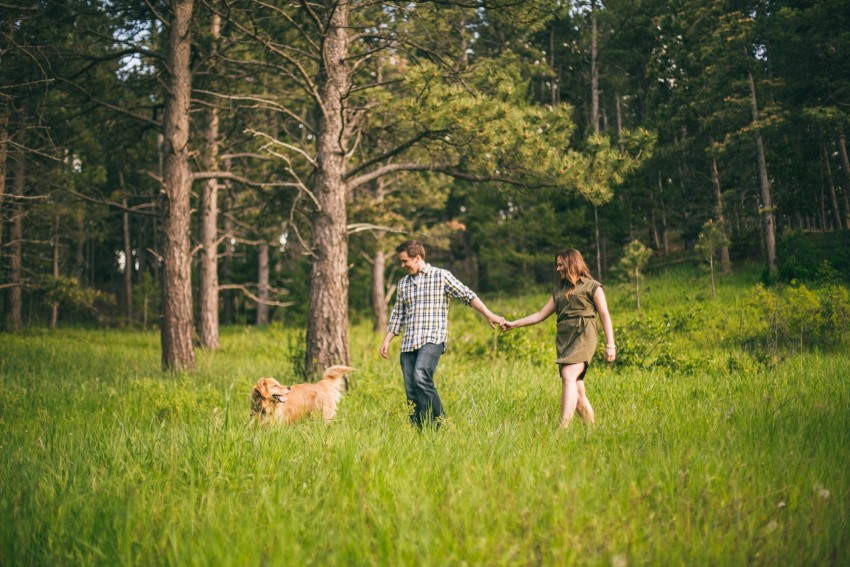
pixel 576 267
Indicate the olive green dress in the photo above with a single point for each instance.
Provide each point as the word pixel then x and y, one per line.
pixel 577 334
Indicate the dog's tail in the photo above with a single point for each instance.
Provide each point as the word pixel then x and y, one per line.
pixel 338 371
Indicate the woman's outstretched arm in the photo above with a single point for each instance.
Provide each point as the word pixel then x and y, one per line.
pixel 532 319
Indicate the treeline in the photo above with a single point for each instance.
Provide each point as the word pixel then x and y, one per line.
pixel 186 163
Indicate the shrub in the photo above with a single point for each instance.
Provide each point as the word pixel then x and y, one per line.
pixel 649 342
pixel 795 317
pixel 811 257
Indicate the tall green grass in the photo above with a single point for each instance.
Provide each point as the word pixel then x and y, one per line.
pixel 106 461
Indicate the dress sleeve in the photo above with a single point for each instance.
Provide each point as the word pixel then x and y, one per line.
pixel 594 285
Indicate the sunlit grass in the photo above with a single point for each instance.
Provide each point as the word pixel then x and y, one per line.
pixel 105 460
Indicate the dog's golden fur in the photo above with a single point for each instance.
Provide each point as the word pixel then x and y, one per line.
pixel 272 401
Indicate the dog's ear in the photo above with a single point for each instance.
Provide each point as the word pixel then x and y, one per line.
pixel 261 389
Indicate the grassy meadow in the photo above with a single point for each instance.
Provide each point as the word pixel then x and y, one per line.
pixel 708 449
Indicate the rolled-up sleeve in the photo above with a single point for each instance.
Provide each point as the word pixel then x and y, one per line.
pixel 456 289
pixel 396 318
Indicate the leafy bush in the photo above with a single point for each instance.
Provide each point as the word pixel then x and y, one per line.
pixel 649 342
pixel 821 257
pixel 520 344
pixel 795 317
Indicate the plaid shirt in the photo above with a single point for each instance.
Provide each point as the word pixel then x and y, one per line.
pixel 422 306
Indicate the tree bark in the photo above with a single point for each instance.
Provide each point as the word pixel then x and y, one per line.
pixel 128 265
pixel 766 209
pixel 4 153
pixel 227 260
pixel 54 309
pixel 263 284
pixel 15 317
pixel 619 108
pixel 178 352
pixel 208 272
pixel 725 261
pixel 327 319
pixel 594 70
pixel 830 183
pixel 594 117
pixel 845 165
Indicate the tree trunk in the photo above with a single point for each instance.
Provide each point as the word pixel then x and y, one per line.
pixel 555 83
pixel 845 165
pixel 725 261
pixel 178 352
pixel 653 222
pixel 327 315
pixel 208 272
pixel 263 284
pixel 822 203
pixel 594 70
pixel 637 288
pixel 229 311
pixel 128 264
pixel 594 118
pixel 665 236
pixel 827 171
pixel 769 220
pixel 618 106
pixel 15 316
pixel 4 153
pixel 54 309
pixel 711 266
pixel 80 252
pixel 598 247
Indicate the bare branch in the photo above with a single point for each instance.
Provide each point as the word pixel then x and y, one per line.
pixel 388 154
pixel 136 210
pixel 363 226
pixel 247 292
pixel 139 117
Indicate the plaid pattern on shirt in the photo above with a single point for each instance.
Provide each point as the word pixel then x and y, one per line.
pixel 422 306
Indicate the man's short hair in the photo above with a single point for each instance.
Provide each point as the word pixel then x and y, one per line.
pixel 411 248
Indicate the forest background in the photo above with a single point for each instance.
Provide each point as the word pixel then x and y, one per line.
pixel 215 188
pixel 192 163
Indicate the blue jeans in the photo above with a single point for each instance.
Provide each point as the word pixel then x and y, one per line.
pixel 418 368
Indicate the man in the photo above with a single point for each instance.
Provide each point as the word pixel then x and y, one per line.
pixel 422 308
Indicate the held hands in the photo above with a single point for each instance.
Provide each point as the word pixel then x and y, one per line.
pixel 496 321
pixel 508 325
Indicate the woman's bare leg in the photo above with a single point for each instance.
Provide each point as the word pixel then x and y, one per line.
pixel 569 394
pixel 585 410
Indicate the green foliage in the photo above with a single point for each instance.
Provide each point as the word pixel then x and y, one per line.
pixel 490 132
pixel 67 291
pixel 796 317
pixel 810 257
pixel 633 261
pixel 654 343
pixel 711 239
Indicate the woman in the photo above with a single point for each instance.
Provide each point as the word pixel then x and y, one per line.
pixel 576 301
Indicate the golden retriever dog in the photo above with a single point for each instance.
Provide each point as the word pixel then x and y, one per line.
pixel 272 401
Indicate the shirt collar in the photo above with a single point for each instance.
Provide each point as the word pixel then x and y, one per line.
pixel 426 269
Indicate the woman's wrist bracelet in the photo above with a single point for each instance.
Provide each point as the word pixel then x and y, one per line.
pixel 611 346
